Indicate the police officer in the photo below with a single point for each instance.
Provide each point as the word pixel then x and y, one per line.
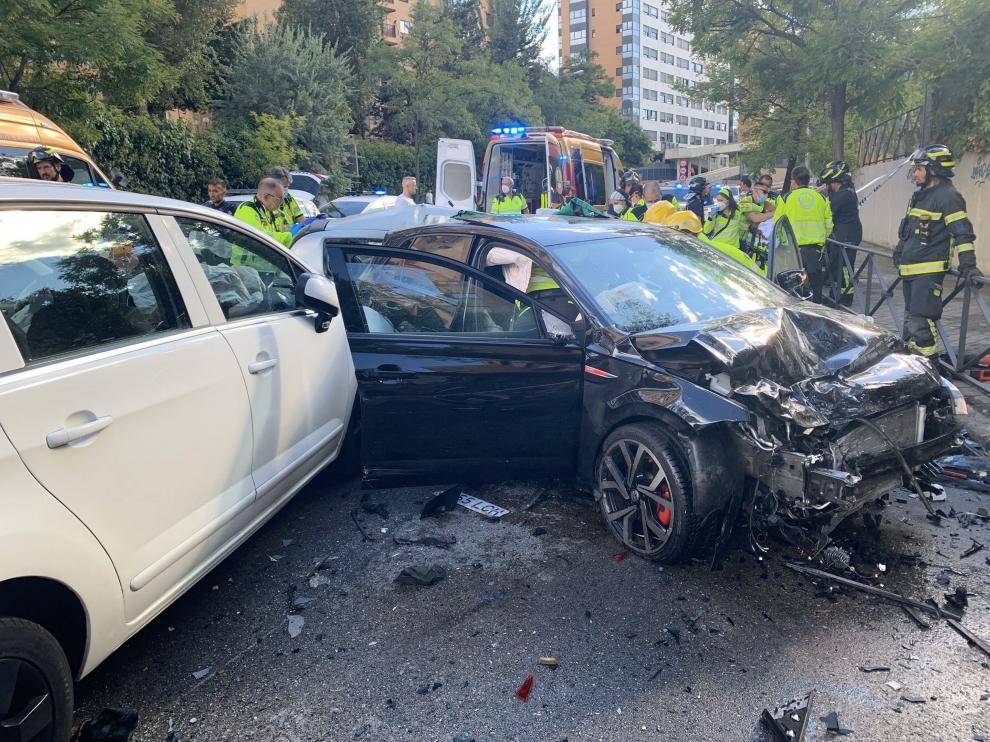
pixel 508 201
pixel 936 224
pixel 290 212
pixel 48 164
pixel 811 219
pixel 847 227
pixel 699 190
pixel 262 213
pixel 637 203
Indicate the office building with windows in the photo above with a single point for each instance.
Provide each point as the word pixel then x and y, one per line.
pixel 649 61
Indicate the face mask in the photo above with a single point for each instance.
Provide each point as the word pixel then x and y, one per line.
pixel 760 198
pixel 506 189
pixel 618 208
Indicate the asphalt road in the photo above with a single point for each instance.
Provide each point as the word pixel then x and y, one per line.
pixel 678 654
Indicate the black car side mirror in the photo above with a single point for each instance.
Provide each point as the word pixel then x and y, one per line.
pixel 317 293
pixel 794 282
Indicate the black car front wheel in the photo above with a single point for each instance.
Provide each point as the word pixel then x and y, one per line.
pixel 643 489
pixel 35 684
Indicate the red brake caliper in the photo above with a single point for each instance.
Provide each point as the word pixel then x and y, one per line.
pixel 664 514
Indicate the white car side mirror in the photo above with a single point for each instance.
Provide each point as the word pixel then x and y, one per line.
pixel 317 293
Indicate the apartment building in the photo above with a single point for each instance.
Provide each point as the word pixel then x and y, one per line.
pixel 649 60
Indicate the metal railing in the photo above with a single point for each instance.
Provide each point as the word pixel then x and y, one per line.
pixel 893 138
pixel 870 271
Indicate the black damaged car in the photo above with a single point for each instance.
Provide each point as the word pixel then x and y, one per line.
pixel 678 386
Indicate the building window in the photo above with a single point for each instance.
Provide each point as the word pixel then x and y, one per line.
pixel 666 58
pixel 682 120
pixel 628 50
pixel 721 126
pixel 682 138
pixel 650 32
pixel 683 44
pixel 665 16
pixel 696 105
pixel 719 141
pixel 709 124
pixel 579 37
pixel 649 115
pixel 709 140
pixel 405 26
pixel 629 70
pixel 696 123
pixel 695 140
pixel 667 78
pixel 630 91
pixel 722 110
pixel 625 29
pixel 666 98
pixel 649 53
pixel 666 136
pixel 649 94
pixel 649 74
pixel 699 68
pixel 683 102
pixel 650 10
pixel 579 16
pixel 683 81
pixel 667 38
pixel 652 135
pixel 666 118
pixel 683 63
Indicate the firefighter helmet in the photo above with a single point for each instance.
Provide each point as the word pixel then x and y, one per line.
pixel 45 154
pixel 685 221
pixel 833 171
pixel 629 176
pixel 938 159
pixel 659 212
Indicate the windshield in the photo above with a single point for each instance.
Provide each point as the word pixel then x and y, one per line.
pixel 642 282
pixel 349 208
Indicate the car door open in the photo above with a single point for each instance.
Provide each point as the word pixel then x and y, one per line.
pixel 457 374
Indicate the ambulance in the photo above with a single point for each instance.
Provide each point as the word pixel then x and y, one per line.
pixel 541 161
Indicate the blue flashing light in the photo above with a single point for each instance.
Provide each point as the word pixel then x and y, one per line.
pixel 514 132
pixel 381 192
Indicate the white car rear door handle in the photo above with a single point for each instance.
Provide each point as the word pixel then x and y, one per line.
pixel 65 436
pixel 258 366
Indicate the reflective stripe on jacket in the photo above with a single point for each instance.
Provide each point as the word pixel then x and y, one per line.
pixel 936 223
pixel 513 204
pixel 254 213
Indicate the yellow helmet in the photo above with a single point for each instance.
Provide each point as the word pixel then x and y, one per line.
pixel 659 212
pixel 685 221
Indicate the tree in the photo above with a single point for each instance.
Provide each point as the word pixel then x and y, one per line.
pixel 517 30
pixel 57 53
pixel 352 26
pixel 789 58
pixel 286 71
pixel 466 15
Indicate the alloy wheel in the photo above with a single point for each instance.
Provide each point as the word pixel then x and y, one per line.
pixel 26 711
pixel 635 496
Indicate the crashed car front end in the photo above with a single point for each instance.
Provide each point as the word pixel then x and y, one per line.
pixel 840 413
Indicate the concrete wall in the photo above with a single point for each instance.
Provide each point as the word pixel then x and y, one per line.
pixel 882 214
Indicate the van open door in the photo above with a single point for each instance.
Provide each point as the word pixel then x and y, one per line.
pixel 456 174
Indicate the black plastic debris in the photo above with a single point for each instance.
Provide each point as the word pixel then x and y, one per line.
pixel 414 533
pixel 916 617
pixel 959 598
pixel 879 592
pixel 421 575
pixel 539 531
pixel 974 547
pixel 913 699
pixel 364 534
pixel 110 725
pixel 788 723
pixel 871 668
pixel 374 508
pixel 832 726
pixel 972 639
pixel 443 501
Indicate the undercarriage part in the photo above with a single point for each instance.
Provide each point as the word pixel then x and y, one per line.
pixel 879 592
pixel 789 723
pixel 900 457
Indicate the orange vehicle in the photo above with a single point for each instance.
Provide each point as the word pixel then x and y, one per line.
pixel 541 161
pixel 23 130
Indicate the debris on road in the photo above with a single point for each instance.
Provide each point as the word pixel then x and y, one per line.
pixel 110 725
pixel 972 639
pixel 480 506
pixel 364 535
pixel 832 726
pixel 523 691
pixel 200 674
pixel 974 547
pixel 374 508
pixel 959 598
pixel 880 592
pixel 619 557
pixel 539 531
pixel 968 472
pixel 419 534
pixel 893 685
pixel 788 723
pixel 874 669
pixel 443 501
pixel 550 662
pixel 541 492
pixel 421 575
pixel 912 699
pixel 295 625
pixel 916 617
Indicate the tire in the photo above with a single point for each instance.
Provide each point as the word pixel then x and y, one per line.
pixel 34 667
pixel 662 496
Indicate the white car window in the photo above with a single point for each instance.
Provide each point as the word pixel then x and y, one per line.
pixel 247 277
pixel 72 281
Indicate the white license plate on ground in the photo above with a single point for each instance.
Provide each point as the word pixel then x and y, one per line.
pixel 480 506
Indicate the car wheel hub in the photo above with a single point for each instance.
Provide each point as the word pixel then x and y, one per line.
pixel 635 496
pixel 26 711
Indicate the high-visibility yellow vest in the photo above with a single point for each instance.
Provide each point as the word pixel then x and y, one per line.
pixel 513 204
pixel 809 213
pixel 539 280
pixel 733 251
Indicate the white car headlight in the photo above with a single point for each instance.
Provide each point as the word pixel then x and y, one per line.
pixel 959 405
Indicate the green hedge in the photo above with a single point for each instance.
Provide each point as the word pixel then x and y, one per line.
pixel 383 164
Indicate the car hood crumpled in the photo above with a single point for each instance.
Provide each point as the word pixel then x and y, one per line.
pixel 806 363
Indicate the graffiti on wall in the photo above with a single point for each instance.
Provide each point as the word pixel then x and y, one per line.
pixel 981 171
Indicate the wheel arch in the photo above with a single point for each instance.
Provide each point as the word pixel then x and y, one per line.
pixel 53 606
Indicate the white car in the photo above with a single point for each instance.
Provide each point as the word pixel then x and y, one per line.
pixel 352 205
pixel 303 198
pixel 169 379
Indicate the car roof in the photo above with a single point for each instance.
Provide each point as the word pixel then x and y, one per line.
pixel 368 198
pixel 550 230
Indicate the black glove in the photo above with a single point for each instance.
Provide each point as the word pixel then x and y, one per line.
pixel 897 254
pixel 970 270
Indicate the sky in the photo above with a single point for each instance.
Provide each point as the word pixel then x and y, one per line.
pixel 550 46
